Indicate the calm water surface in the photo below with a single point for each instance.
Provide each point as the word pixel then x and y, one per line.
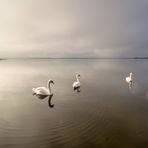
pixel 105 114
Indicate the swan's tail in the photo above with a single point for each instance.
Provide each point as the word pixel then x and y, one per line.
pixel 33 89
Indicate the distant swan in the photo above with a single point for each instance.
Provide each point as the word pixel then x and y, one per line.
pixel 77 83
pixel 45 91
pixel 129 79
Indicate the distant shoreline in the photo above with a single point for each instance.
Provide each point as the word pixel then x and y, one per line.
pixel 97 58
pixel 2 59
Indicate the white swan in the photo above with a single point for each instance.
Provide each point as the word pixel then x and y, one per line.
pixel 129 79
pixel 77 83
pixel 46 91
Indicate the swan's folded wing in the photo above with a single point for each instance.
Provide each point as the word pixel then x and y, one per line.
pixel 42 91
pixel 76 84
pixel 127 79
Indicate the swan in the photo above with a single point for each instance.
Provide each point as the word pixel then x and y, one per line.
pixel 45 91
pixel 77 83
pixel 129 79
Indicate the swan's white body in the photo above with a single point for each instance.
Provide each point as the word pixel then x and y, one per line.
pixel 129 79
pixel 77 83
pixel 43 90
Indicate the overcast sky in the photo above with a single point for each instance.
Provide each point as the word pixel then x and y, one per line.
pixel 73 28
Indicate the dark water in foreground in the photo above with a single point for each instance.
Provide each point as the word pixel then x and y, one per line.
pixel 105 114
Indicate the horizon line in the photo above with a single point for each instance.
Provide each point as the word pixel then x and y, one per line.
pixel 75 58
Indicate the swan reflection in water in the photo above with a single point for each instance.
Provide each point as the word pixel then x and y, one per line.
pixel 130 85
pixel 41 97
pixel 77 89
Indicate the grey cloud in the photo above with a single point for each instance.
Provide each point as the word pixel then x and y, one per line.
pixel 73 28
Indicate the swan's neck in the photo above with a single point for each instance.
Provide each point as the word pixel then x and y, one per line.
pixel 131 76
pixel 77 78
pixel 49 87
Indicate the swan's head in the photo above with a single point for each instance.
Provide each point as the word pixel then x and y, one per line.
pixel 50 81
pixel 131 73
pixel 78 75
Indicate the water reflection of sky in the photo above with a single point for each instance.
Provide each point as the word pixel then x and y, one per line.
pixel 104 105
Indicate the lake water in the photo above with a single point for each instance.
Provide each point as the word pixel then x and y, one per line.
pixel 104 114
